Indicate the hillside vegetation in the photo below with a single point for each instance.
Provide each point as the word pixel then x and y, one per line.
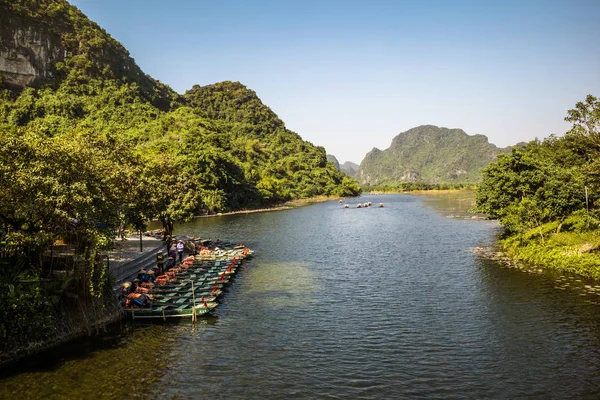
pixel 546 195
pixel 95 144
pixel 428 155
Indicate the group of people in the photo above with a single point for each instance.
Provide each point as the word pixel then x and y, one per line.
pixel 135 293
pixel 175 248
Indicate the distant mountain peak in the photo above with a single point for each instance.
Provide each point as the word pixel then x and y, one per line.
pixel 334 160
pixel 429 154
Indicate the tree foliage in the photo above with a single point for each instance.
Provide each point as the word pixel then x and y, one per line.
pixel 546 181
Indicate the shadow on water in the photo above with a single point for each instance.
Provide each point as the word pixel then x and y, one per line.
pixel 123 362
pixel 52 359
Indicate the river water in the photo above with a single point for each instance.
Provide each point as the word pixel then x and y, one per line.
pixel 349 303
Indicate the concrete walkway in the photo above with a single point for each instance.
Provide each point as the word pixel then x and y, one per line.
pixel 126 259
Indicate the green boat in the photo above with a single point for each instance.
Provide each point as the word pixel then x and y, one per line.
pixel 164 311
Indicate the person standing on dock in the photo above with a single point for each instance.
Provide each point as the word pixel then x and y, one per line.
pixel 168 242
pixel 180 247
pixel 160 261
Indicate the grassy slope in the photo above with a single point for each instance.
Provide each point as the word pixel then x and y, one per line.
pixel 573 246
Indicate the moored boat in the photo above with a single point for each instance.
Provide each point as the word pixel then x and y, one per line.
pixel 170 311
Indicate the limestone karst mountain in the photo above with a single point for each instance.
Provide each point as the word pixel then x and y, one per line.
pixel 429 154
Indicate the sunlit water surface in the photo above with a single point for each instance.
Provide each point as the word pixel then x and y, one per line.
pixel 350 303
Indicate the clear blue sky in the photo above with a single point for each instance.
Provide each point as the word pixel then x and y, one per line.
pixel 350 75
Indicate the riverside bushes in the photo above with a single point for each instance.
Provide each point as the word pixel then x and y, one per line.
pixel 547 196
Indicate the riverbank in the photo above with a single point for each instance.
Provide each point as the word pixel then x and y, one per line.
pixel 571 249
pixel 432 192
pixel 74 318
pixel 571 246
pixel 64 313
pixel 288 205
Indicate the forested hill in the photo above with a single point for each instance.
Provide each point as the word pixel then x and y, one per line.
pixel 233 102
pixel 86 136
pixel 431 155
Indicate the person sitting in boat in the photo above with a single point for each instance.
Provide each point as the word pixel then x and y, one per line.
pixel 150 276
pixel 125 291
pixel 134 285
pixel 138 288
pixel 142 275
pixel 137 300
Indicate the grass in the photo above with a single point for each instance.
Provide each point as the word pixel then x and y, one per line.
pixel 576 250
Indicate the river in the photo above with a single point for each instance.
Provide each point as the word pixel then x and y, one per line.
pixel 349 303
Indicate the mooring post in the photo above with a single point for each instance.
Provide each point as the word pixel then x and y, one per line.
pixel 194 303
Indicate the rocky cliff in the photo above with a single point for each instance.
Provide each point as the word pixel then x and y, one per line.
pixel 334 160
pixel 28 51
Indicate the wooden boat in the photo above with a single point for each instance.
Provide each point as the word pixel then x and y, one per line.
pixel 359 205
pixel 380 205
pixel 346 206
pixel 169 310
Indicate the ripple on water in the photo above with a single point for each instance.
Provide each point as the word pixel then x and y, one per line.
pixel 368 303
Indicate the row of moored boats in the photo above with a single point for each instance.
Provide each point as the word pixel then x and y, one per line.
pixel 189 290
